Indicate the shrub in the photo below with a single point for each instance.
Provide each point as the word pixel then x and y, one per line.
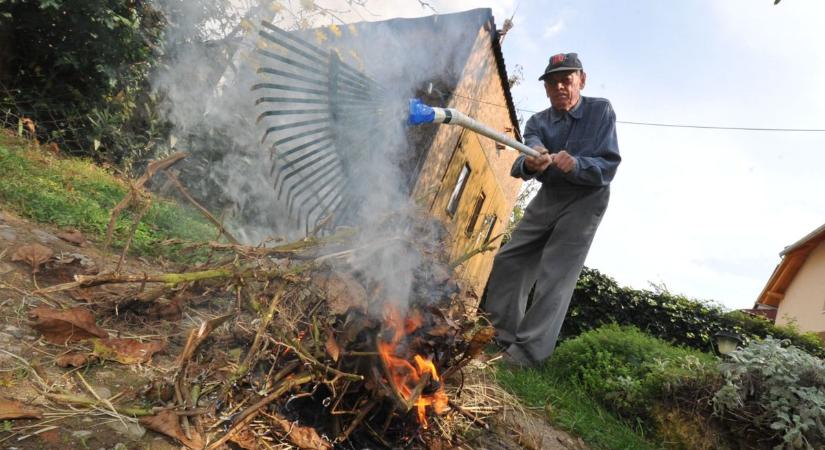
pixel 630 371
pixel 598 300
pixel 776 390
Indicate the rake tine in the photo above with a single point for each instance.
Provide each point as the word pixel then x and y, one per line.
pixel 293 76
pixel 340 93
pixel 322 173
pixel 292 62
pixel 316 195
pixel 318 158
pixel 320 203
pixel 291 112
pixel 320 54
pixel 318 198
pixel 278 169
pixel 322 60
pixel 282 155
pixel 299 136
pixel 340 100
pixel 279 182
pixel 330 208
pixel 284 87
pixel 287 126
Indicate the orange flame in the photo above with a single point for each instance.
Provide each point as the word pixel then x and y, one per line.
pixel 404 375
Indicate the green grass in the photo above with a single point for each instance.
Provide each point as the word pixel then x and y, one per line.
pixel 572 409
pixel 75 193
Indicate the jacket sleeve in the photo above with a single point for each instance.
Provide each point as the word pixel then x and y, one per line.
pixel 598 165
pixel 532 138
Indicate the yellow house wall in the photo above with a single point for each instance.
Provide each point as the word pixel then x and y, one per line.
pixel 481 96
pixel 804 301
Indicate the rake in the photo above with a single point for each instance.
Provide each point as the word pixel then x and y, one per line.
pixel 318 112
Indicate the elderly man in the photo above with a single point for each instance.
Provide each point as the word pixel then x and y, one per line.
pixel 580 154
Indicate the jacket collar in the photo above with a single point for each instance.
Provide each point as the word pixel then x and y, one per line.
pixel 575 113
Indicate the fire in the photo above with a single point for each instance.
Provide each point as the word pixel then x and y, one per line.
pixel 410 379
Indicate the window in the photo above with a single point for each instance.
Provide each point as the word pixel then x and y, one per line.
pixel 491 225
pixel 452 206
pixel 471 225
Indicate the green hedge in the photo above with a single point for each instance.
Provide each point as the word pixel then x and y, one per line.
pixel 630 371
pixel 599 300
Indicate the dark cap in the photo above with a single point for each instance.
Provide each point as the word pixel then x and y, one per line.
pixel 562 62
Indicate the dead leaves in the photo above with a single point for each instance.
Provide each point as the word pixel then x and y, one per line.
pixel 74 237
pixel 167 422
pixel 72 359
pixel 11 409
pixel 343 292
pixel 65 326
pixel 301 436
pixel 126 351
pixel 34 254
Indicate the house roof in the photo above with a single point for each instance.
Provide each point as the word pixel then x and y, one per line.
pixel 793 258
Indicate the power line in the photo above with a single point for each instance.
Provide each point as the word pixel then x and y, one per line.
pixel 668 125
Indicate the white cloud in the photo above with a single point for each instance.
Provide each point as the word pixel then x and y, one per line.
pixel 553 30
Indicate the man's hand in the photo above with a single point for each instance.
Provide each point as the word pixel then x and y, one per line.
pixel 538 164
pixel 564 161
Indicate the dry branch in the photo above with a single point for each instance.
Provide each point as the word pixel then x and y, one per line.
pixel 221 229
pixel 136 188
pixel 253 410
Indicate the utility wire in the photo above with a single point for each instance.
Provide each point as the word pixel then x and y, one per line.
pixel 669 125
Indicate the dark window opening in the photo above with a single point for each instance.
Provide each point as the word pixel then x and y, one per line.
pixel 460 183
pixel 491 224
pixel 471 225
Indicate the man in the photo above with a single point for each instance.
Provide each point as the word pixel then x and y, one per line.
pixel 576 137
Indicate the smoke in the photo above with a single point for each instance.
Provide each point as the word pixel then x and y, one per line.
pixel 263 183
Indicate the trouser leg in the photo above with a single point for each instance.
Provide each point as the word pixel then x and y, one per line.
pixel 559 269
pixel 514 271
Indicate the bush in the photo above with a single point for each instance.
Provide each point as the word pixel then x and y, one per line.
pixel 598 300
pixel 630 371
pixel 776 391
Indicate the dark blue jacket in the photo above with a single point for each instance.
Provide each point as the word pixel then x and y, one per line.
pixel 588 132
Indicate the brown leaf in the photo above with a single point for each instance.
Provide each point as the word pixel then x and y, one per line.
pixel 332 347
pixel 300 436
pixel 72 359
pixel 167 422
pixel 343 292
pixel 64 326
pixel 480 339
pixel 126 351
pixel 73 236
pixel 245 439
pixel 11 409
pixel 64 268
pixel 33 254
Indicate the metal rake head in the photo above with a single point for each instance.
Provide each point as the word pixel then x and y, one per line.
pixel 319 112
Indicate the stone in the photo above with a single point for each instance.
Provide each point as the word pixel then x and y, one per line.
pixel 81 434
pixel 7 233
pixel 5 268
pixel 133 430
pixel 14 331
pixel 44 237
pixel 103 392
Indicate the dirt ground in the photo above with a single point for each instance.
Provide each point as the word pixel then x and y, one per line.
pixel 25 357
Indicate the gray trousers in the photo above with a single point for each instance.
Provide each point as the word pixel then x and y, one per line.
pixel 547 248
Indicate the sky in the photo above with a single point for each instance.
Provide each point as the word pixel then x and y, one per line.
pixel 703 213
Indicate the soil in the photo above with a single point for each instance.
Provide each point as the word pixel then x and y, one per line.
pixel 24 351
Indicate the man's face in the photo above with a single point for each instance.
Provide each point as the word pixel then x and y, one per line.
pixel 564 89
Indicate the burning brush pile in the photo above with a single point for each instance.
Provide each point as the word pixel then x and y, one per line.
pixel 339 342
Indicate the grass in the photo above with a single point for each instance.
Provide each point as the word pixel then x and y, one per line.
pixel 570 408
pixel 76 193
